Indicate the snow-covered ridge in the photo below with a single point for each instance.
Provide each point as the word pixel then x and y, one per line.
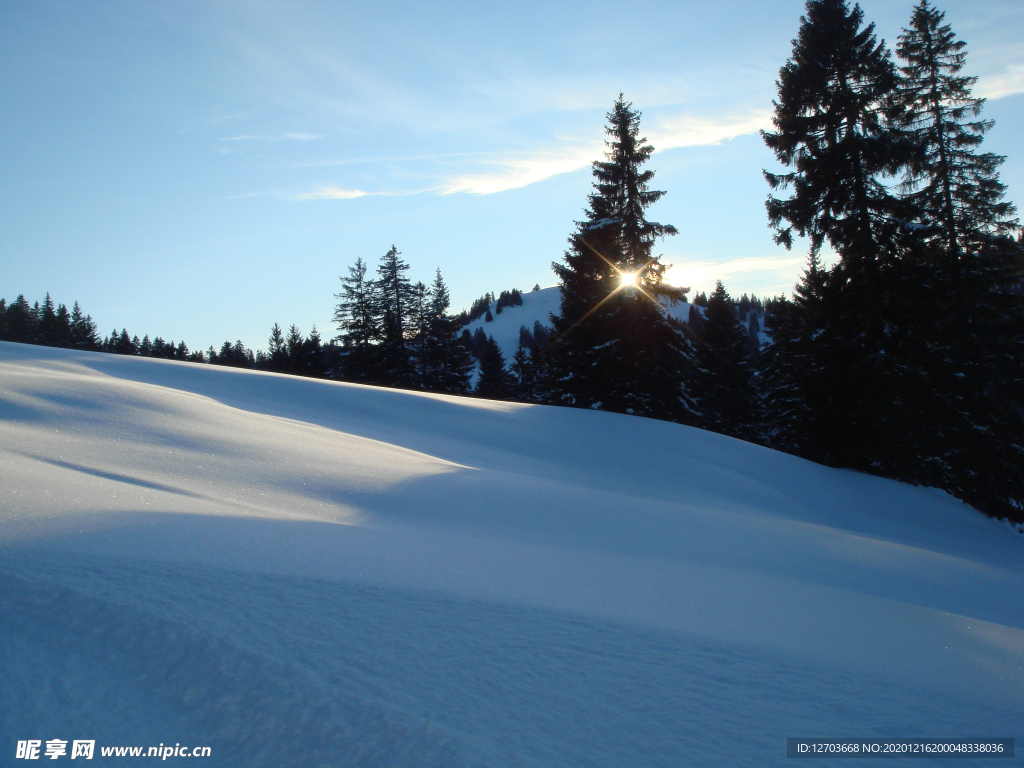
pixel 302 572
pixel 538 306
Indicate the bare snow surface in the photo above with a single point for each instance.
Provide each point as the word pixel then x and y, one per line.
pixel 308 573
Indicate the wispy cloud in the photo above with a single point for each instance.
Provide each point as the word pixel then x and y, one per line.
pixel 331 192
pixel 769 271
pixel 1005 83
pixel 691 131
pixel 521 170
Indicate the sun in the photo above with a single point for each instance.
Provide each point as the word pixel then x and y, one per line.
pixel 627 279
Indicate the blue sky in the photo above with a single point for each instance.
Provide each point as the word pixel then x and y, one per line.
pixel 200 170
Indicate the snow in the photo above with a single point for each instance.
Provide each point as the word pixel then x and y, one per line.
pixel 300 572
pixel 538 306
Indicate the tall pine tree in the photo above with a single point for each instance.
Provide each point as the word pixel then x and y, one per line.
pixel 727 397
pixel 972 343
pixel 833 130
pixel 613 347
pixel 446 364
pixel 355 314
pixel 393 296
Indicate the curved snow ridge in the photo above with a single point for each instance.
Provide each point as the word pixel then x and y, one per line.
pixel 183 687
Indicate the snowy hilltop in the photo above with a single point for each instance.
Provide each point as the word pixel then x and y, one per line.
pixel 301 572
pixel 537 307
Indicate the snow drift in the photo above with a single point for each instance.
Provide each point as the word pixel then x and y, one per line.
pixel 301 572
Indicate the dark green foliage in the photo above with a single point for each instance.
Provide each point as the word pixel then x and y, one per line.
pixel 477 309
pixel 513 298
pixel 277 351
pixel 477 343
pixel 357 318
pixel 495 382
pixel 444 360
pixel 22 325
pixel 726 392
pixel 613 347
pixel 392 363
pixel 831 130
pixel 235 355
pixel 903 359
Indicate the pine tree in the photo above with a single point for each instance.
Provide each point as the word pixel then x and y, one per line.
pixel 313 364
pixel 833 120
pixel 62 327
pixel 796 394
pixel 393 364
pixel 832 129
pixel 446 364
pixel 83 330
pixel 495 382
pixel 970 334
pixel 49 334
pixel 356 317
pixel 614 349
pixel 727 397
pixel 123 344
pixel 956 189
pixel 295 345
pixel 417 330
pixel 277 350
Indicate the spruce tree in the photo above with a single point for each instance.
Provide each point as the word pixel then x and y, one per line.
pixel 313 355
pixel 355 314
pixel 446 364
pixel 614 348
pixel 277 350
pixel 83 330
pixel 727 397
pixel 971 319
pixel 393 363
pixel 47 318
pixel 797 401
pixel 956 189
pixel 495 382
pixel 296 348
pixel 833 130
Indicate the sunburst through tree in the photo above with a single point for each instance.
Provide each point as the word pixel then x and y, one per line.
pixel 614 347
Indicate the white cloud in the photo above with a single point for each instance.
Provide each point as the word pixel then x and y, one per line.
pixel 761 274
pixel 303 136
pixel 529 168
pixel 689 131
pixel 331 192
pixel 1005 83
pixel 520 171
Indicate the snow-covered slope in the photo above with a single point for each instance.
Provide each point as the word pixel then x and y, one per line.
pixel 300 572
